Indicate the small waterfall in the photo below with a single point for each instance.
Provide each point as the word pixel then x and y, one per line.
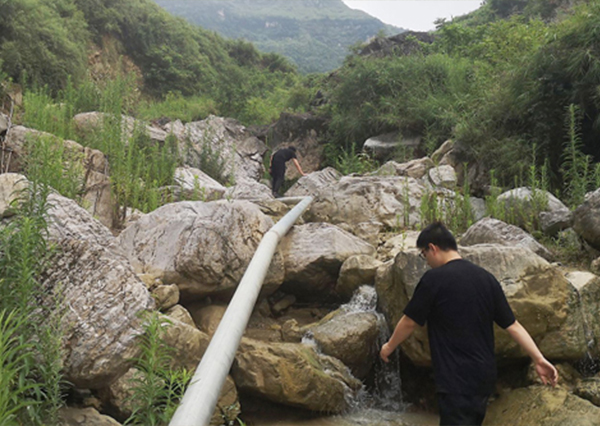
pixel 386 394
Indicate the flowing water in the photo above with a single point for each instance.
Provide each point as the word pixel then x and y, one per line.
pixel 380 406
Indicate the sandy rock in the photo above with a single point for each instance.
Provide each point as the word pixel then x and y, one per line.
pixel 91 121
pixel 554 222
pixel 294 374
pixel 520 203
pixel 204 248
pixel 208 318
pixel 187 342
pixel 85 417
pixel 356 271
pixel 314 254
pixel 166 296
pixel 542 406
pixel 181 314
pixel 366 231
pixel 396 244
pixel 589 388
pixel 12 186
pixel 444 149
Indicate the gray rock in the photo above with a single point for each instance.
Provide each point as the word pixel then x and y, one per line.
pixel 494 231
pixel 586 219
pixel 204 248
pixel 198 185
pixel 416 169
pixel 311 183
pixel 523 203
pixel 443 176
pixel 554 222
pixel 589 388
pixel 241 153
pixel 12 187
pixel 314 254
pixel 389 200
pixel 245 189
pixel 441 152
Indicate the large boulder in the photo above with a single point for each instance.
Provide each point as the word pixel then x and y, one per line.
pixel 588 289
pixel 104 295
pixel 586 219
pixel 240 153
pixel 522 204
pixel 105 298
pixel 91 165
pixel 541 297
pixel 356 271
pixel 245 189
pixel 204 248
pixel 197 185
pixel 542 406
pixel 350 333
pixel 393 201
pixel 311 183
pixel 314 254
pixel 294 374
pixel 494 231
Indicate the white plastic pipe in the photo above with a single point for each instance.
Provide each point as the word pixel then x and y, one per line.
pixel 200 399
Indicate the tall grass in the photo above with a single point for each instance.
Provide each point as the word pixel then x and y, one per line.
pixel 158 388
pixel 36 314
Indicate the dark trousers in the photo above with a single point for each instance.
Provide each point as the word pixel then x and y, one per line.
pixel 278 174
pixel 462 410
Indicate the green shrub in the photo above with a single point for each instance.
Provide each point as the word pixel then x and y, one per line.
pixel 158 388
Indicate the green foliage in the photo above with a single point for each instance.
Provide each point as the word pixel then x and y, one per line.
pixel 14 393
pixel 177 107
pixel 38 391
pixel 575 169
pixel 51 163
pixel 158 388
pixel 46 40
pixel 349 161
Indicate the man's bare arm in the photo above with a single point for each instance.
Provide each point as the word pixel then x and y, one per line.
pixel 403 329
pixel 297 164
pixel 543 367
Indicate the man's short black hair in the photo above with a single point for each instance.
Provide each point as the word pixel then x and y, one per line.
pixel 438 235
pixel 293 148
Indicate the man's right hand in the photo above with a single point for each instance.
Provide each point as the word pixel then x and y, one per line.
pixel 547 372
pixel 386 351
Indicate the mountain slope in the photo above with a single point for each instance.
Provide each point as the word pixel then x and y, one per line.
pixel 314 34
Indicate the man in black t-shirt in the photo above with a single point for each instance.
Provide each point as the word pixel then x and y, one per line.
pixel 460 302
pixel 277 167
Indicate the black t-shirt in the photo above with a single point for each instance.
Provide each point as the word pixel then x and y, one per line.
pixel 460 301
pixel 281 156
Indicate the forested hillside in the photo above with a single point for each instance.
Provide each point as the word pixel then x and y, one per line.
pixel 46 43
pixel 314 34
